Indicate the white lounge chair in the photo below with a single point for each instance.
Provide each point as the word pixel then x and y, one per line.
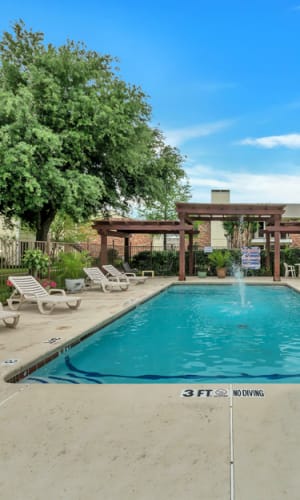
pixel 96 277
pixel 128 277
pixel 9 318
pixel 28 289
pixel 289 270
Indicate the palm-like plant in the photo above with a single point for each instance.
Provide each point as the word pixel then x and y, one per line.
pixel 219 258
pixel 70 264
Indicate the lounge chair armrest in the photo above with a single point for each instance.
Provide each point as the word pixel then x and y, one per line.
pixel 58 291
pixel 130 274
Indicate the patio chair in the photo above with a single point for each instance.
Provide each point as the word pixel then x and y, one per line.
pixel 9 318
pixel 128 269
pixel 114 273
pixel 96 277
pixel 28 289
pixel 289 270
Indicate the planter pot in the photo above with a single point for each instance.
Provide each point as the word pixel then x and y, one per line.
pixel 202 274
pixel 221 272
pixel 74 285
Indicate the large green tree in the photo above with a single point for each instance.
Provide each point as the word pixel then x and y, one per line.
pixel 173 184
pixel 174 188
pixel 74 137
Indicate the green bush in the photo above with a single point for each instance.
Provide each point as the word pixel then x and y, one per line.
pixel 142 260
pixel 290 255
pixel 113 257
pixel 36 261
pixel 162 263
pixel 5 292
pixel 219 258
pixel 69 265
pixel 201 260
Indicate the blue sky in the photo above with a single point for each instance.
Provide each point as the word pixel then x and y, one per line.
pixel 223 79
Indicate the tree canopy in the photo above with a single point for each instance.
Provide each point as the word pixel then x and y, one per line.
pixel 74 136
pixel 171 191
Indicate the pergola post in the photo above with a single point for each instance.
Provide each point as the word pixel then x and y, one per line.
pixel 268 247
pixel 276 276
pixel 126 249
pixel 181 252
pixel 103 250
pixel 191 254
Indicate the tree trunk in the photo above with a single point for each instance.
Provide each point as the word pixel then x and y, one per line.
pixel 44 226
pixel 165 242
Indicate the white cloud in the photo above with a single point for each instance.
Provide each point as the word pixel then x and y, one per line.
pixel 245 187
pixel 195 171
pixel 266 188
pixel 177 137
pixel 291 141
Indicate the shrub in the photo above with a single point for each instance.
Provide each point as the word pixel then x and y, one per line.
pixel 219 258
pixel 70 265
pixel 36 261
pixel 164 262
pixel 114 258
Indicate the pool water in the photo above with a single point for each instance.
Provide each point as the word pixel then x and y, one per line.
pixel 194 333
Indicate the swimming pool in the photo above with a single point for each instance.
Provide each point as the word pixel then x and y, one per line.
pixel 191 333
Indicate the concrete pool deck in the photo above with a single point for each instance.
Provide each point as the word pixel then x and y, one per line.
pixel 140 442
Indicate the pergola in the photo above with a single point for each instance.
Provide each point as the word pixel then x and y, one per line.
pixel 188 213
pixel 271 214
pixel 125 228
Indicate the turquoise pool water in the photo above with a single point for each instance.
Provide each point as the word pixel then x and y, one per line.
pixel 195 334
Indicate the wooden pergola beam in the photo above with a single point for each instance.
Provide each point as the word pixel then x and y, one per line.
pixel 229 218
pixel 283 228
pixel 146 227
pixel 196 209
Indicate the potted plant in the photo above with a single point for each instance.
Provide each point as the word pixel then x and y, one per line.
pixel 220 259
pixel 70 269
pixel 201 264
pixel 202 271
